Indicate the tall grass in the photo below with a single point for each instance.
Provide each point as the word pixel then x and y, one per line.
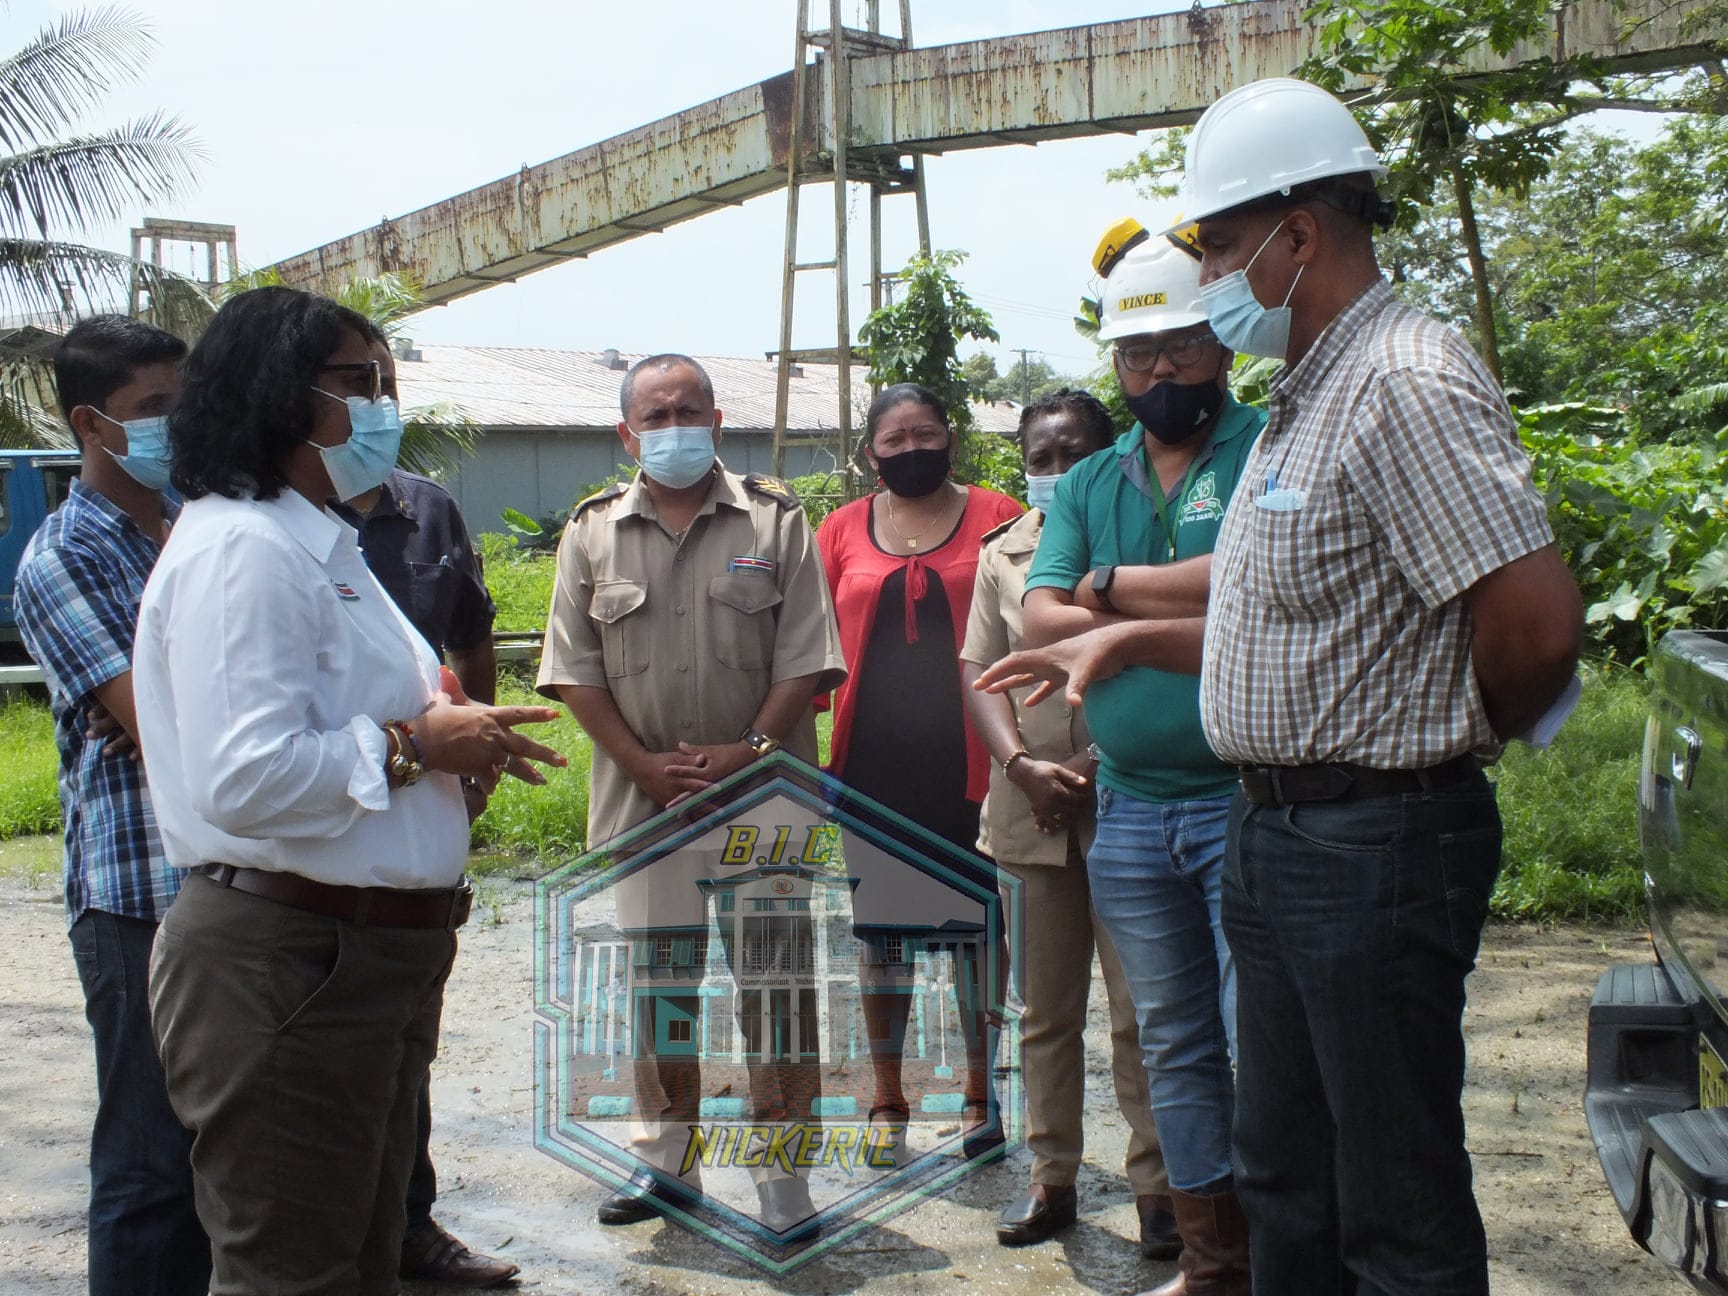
pixel 520 581
pixel 1571 812
pixel 548 822
pixel 29 798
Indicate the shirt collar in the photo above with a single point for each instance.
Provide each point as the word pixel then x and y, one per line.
pixel 1022 536
pixel 111 516
pixel 1334 340
pixel 391 503
pixel 317 530
pixel 1234 418
pixel 723 488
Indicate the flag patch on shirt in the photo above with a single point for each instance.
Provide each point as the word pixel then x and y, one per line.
pixel 750 562
pixel 346 591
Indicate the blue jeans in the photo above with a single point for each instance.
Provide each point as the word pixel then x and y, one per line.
pixel 1354 925
pixel 1154 869
pixel 144 1235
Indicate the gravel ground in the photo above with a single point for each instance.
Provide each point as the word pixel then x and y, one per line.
pixel 1552 1227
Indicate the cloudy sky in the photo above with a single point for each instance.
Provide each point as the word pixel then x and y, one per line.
pixel 321 117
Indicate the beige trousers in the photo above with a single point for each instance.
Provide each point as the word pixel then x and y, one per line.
pixel 1052 968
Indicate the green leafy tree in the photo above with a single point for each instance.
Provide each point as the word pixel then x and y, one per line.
pixel 1442 124
pixel 917 339
pixel 57 181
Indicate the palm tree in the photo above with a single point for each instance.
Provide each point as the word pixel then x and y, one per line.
pixel 56 182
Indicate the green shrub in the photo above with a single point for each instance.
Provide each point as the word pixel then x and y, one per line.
pixel 1571 811
pixel 1644 528
pixel 29 795
pixel 520 581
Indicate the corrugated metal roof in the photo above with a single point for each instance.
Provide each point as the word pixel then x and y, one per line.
pixel 512 387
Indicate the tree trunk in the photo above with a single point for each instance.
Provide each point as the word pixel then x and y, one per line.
pixel 1478 271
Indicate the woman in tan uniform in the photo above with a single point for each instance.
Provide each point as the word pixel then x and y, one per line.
pixel 1036 825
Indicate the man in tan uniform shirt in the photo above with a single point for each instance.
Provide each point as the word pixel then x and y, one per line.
pixel 690 627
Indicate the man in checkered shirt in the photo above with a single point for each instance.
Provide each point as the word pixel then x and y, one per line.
pixel 1388 608
pixel 79 584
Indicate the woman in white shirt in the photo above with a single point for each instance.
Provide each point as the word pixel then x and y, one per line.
pixel 304 763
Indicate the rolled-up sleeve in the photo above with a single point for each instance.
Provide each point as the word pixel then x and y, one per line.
pixel 241 644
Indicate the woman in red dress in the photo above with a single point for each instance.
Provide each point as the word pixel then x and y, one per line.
pixel 901 564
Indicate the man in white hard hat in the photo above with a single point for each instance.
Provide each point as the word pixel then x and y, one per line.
pixel 1124 561
pixel 1388 609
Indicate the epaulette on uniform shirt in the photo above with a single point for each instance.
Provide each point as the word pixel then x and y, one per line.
pixel 599 497
pixel 774 488
pixel 999 530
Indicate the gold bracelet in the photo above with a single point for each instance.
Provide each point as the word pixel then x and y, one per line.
pixel 1009 763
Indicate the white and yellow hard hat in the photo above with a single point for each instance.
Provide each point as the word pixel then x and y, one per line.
pixel 1151 285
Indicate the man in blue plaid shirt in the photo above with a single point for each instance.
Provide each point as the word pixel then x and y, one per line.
pixel 79 586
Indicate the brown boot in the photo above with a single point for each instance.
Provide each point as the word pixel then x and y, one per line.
pixel 1214 1247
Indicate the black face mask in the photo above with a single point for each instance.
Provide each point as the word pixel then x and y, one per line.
pixel 1173 412
pixel 914 474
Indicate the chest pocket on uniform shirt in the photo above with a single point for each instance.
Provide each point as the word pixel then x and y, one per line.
pixel 431 598
pixel 744 619
pixel 1299 559
pixel 624 631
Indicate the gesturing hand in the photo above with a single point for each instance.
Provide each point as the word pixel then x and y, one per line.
pixel 458 736
pixel 1078 662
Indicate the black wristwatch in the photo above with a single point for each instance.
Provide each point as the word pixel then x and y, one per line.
pixel 1102 578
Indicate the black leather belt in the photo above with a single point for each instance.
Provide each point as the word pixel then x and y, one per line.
pixel 1283 784
pixel 445 908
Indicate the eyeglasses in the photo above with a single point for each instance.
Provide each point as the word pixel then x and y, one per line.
pixel 370 367
pixel 1142 357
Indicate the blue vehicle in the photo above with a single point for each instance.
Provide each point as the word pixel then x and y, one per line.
pixel 33 483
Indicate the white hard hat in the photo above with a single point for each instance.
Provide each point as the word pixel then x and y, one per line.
pixel 1152 288
pixel 1267 137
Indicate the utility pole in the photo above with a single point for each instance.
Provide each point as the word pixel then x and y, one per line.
pixel 1025 378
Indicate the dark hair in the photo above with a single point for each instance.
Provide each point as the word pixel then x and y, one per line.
pixel 901 394
pixel 246 395
pixel 97 356
pixel 662 362
pixel 1081 405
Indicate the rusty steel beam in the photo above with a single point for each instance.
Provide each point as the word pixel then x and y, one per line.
pixel 1108 78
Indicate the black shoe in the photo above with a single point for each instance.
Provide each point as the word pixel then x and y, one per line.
pixel 638 1200
pixel 1040 1214
pixel 1159 1239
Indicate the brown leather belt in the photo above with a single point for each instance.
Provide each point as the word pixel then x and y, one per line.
pixel 1284 784
pixel 446 908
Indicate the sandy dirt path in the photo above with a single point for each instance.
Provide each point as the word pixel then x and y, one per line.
pixel 1552 1228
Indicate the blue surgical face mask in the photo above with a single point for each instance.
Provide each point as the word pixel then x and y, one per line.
pixel 146 457
pixel 1041 490
pixel 676 457
pixel 364 460
pixel 1237 317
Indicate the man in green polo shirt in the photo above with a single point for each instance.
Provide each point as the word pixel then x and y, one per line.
pixel 1125 555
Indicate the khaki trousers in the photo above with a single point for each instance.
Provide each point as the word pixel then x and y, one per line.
pixel 1052 966
pixel 294 1048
